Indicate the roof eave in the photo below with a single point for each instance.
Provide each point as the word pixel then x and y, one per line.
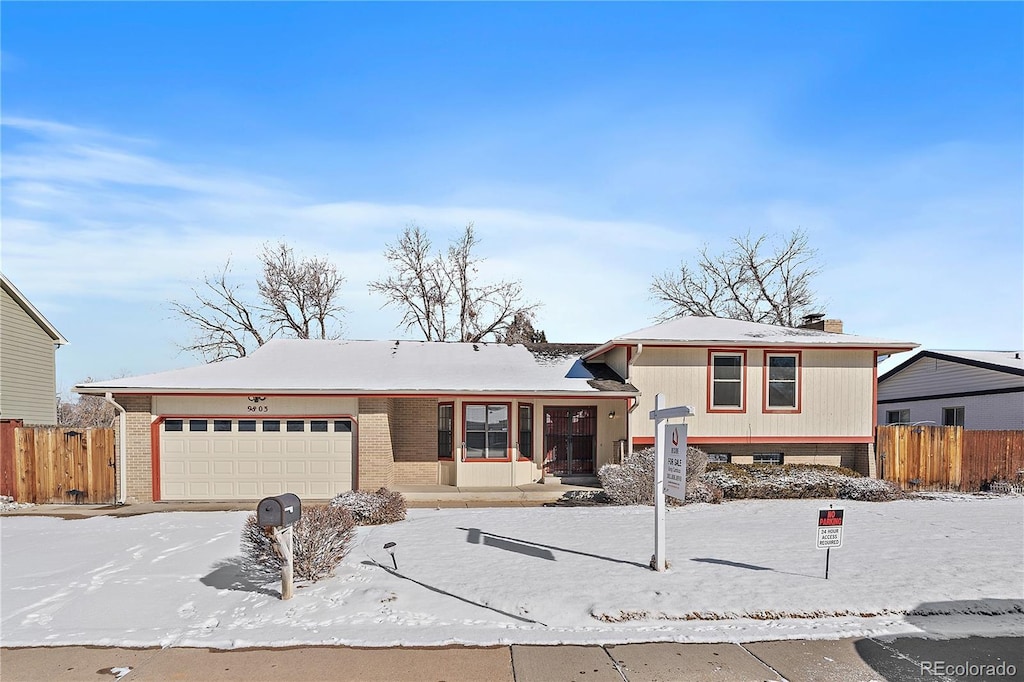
pixel 335 392
pixel 32 311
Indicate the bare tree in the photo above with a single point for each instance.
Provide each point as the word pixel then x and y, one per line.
pixel 296 298
pixel 756 279
pixel 521 330
pixel 88 411
pixel 440 293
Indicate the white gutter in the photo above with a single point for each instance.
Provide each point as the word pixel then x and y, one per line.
pixel 122 449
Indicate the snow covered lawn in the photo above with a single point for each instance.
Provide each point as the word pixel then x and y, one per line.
pixel 740 571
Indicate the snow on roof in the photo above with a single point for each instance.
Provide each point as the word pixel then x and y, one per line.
pixel 293 365
pixel 1000 360
pixel 703 331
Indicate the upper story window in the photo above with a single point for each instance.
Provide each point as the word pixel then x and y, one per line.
pixel 782 381
pixel 726 381
pixel 486 431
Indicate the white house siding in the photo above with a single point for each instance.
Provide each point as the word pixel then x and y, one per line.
pixel 983 412
pixel 836 394
pixel 932 376
pixel 28 376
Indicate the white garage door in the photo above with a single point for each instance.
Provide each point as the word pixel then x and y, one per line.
pixel 249 459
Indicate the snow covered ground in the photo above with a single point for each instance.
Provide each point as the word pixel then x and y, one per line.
pixel 740 571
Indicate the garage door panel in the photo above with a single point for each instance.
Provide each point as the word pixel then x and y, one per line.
pixel 251 465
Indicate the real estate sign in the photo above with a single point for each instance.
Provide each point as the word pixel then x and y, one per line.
pixel 830 528
pixel 675 460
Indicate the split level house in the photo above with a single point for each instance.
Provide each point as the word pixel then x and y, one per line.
pixel 320 417
pixel 28 364
pixel 970 388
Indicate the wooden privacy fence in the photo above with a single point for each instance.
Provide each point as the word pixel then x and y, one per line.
pixel 948 457
pixel 47 465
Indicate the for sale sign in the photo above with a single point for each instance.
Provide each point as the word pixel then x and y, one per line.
pixel 675 461
pixel 830 528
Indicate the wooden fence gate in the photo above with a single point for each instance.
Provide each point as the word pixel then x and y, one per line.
pixel 922 457
pixel 54 465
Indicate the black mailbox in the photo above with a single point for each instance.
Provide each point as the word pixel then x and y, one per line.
pixel 280 510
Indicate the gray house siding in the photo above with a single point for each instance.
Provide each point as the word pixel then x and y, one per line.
pixel 28 374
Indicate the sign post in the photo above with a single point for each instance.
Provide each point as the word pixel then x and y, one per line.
pixel 663 434
pixel 830 532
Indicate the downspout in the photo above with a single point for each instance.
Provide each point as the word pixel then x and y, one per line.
pixel 122 448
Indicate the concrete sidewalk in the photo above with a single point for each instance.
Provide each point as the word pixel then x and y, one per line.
pixel 416 496
pixel 631 662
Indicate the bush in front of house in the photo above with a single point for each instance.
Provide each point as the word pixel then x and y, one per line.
pixel 320 542
pixel 632 482
pixel 791 481
pixel 372 509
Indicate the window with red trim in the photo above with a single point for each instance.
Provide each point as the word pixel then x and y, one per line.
pixel 486 430
pixel 727 385
pixel 446 431
pixel 782 380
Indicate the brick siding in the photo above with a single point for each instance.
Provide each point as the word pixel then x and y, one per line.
pixel 414 436
pixel 376 458
pixel 139 417
pixel 856 456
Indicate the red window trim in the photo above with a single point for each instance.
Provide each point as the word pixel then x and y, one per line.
pixel 765 409
pixel 508 447
pixel 451 454
pixel 712 352
pixel 519 431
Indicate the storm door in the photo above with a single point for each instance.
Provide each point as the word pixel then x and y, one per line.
pixel 570 441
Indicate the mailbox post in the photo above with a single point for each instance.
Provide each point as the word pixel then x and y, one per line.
pixel 278 514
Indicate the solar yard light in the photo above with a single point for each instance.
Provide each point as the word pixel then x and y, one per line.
pixel 390 547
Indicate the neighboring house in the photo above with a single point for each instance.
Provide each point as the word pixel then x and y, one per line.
pixel 319 417
pixel 28 368
pixel 972 389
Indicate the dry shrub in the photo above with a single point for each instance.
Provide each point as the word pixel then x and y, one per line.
pixel 372 509
pixel 788 481
pixel 632 482
pixel 320 542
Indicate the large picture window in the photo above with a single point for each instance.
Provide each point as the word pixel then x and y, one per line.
pixel 446 431
pixel 726 390
pixel 782 382
pixel 486 431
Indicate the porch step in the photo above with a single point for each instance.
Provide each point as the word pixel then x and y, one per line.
pixel 582 481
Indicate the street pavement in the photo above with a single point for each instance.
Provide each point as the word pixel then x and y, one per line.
pixel 846 660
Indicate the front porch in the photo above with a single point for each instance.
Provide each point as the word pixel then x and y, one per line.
pixel 526 495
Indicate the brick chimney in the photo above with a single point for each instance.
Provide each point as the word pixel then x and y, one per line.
pixel 818 321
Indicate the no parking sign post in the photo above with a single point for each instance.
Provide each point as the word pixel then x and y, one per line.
pixel 830 531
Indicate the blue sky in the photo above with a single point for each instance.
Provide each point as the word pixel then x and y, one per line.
pixel 594 145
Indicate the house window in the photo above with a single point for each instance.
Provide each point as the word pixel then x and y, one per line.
pixel 295 425
pixel 318 426
pixel 727 381
pixel 173 425
pixel 196 424
pixel 343 426
pixel 526 432
pixel 952 416
pixel 245 425
pixel 221 424
pixel 782 381
pixel 486 431
pixel 897 416
pixel 767 458
pixel 446 431
pixel 271 425
pixel 719 458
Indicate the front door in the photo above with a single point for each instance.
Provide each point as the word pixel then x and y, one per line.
pixel 570 441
